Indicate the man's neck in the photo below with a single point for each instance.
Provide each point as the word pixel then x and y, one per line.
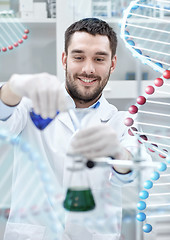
pixel 83 104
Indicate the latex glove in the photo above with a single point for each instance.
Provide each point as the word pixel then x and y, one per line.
pixel 43 89
pixel 97 141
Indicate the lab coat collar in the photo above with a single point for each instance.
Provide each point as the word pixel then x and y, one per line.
pixel 104 111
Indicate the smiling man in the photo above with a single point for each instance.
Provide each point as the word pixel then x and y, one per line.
pixel 88 63
pixel 88 60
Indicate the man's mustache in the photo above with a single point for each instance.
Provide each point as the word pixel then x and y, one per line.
pixel 88 76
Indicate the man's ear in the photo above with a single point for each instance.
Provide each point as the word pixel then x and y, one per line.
pixel 113 64
pixel 64 60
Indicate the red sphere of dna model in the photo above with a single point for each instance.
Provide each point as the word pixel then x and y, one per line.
pixel 158 82
pixel 166 74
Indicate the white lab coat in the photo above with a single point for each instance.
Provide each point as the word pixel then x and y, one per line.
pixel 103 223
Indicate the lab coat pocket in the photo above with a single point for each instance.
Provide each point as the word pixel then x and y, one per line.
pixel 20 231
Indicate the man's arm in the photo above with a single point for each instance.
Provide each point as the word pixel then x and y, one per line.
pixel 44 90
pixel 8 97
pixel 8 101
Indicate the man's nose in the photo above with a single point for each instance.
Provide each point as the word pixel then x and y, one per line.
pixel 88 67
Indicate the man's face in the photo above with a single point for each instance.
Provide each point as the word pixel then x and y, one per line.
pixel 88 66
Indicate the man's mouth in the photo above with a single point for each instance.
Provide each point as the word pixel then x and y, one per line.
pixel 85 80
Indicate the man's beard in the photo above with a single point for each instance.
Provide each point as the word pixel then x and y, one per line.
pixel 73 89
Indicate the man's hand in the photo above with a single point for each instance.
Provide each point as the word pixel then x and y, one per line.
pixel 97 141
pixel 43 89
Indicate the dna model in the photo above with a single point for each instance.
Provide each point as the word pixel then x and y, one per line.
pixel 12 32
pixel 145 32
pixel 44 193
pixel 20 206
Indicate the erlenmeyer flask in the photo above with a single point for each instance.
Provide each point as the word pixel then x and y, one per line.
pixel 79 197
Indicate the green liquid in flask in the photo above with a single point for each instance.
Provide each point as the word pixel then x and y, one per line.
pixel 79 200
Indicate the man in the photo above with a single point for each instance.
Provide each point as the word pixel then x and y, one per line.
pixel 88 60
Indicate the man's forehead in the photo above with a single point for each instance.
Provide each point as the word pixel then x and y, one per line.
pixel 81 35
pixel 83 40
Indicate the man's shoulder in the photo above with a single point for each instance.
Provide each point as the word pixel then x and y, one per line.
pixel 109 112
pixel 104 103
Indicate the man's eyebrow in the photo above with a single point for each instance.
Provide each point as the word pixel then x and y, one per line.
pixel 76 51
pixel 102 53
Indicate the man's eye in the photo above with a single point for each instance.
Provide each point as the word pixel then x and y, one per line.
pixel 99 59
pixel 78 58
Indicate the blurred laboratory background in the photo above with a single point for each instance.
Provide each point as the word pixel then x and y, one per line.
pixel 41 52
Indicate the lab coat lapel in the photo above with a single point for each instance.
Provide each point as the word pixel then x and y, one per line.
pixel 64 118
pixel 106 110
